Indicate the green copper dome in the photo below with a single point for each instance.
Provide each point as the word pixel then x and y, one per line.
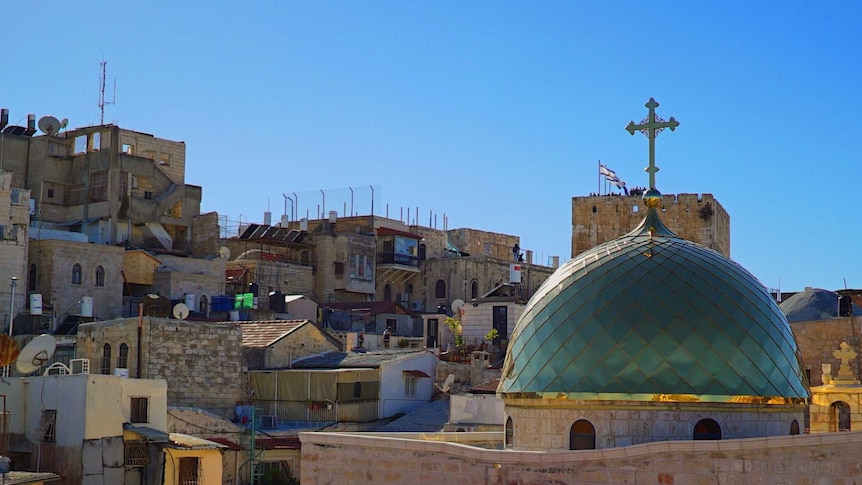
pixel 653 317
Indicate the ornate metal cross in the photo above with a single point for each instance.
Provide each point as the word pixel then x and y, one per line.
pixel 651 126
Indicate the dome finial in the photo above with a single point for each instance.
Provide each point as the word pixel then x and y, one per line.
pixel 651 126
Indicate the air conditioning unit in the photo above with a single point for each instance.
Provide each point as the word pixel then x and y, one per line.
pixel 79 366
pixel 268 422
pixel 404 297
pixel 416 306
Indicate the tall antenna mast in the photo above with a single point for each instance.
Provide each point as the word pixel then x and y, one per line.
pixel 103 65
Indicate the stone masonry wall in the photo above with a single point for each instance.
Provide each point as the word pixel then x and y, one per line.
pixel 14 217
pixel 802 459
pixel 698 218
pixel 202 362
pixel 818 339
pixel 547 428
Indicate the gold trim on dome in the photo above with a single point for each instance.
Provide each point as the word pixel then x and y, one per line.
pixel 667 398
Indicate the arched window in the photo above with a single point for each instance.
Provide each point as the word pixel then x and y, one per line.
pixel 582 436
pixel 31 278
pixel 387 293
pixel 474 289
pixel 106 359
pixel 100 276
pixel 839 418
pixel 794 427
pixel 423 250
pixel 509 432
pixel 440 289
pixel 76 274
pixel 123 357
pixel 707 429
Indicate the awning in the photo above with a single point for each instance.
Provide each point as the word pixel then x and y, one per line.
pixel 416 373
pixel 236 274
pixel 150 434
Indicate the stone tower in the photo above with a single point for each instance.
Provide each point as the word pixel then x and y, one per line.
pixel 600 218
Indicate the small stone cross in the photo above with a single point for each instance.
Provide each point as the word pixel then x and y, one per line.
pixel 844 355
pixel 651 126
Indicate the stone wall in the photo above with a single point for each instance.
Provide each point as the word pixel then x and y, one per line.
pixel 698 218
pixel 802 459
pixel 14 243
pixel 302 342
pixel 170 156
pixel 205 235
pixel 545 424
pixel 818 339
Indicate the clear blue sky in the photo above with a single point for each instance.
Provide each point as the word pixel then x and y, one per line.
pixel 494 113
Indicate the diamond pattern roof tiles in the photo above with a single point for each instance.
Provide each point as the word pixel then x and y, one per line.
pixel 651 314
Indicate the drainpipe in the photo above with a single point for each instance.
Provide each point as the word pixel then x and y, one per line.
pixel 140 324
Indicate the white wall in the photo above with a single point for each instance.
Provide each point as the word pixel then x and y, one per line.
pixel 392 397
pixel 476 409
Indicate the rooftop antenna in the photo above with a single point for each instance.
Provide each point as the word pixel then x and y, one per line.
pixel 102 103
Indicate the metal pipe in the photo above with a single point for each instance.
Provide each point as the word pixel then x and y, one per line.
pixel 351 200
pixel 372 200
pixel 295 206
pixel 13 282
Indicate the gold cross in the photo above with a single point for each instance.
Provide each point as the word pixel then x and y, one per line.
pixel 651 126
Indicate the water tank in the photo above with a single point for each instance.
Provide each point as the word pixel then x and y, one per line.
pixel 267 218
pixel 189 300
pixel 284 220
pixel 87 306
pixel 303 224
pixel 515 273
pixel 333 217
pixel 36 304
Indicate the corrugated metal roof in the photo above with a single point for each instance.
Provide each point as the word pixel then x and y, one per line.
pixel 264 334
pixel 150 434
pixel 415 373
pixel 373 307
pixel 26 478
pixel 372 360
pixel 189 442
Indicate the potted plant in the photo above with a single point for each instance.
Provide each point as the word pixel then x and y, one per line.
pixel 492 336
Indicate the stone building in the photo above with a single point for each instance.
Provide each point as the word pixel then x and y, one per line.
pixel 696 217
pixel 276 344
pixel 14 241
pixel 75 278
pixel 202 362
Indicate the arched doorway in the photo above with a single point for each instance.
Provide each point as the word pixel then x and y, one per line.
pixel 509 433
pixel 707 429
pixel 840 416
pixel 794 427
pixel 582 436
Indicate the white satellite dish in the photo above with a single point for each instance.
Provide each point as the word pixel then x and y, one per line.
pixel 457 304
pixel 224 252
pixel 49 125
pixel 35 354
pixel 181 311
pixel 447 384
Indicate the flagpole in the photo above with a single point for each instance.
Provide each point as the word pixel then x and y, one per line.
pixel 600 176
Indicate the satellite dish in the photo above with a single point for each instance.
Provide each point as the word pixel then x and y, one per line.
pixel 35 354
pixel 224 252
pixel 181 311
pixel 9 350
pixel 457 304
pixel 49 125
pixel 447 384
pixel 64 123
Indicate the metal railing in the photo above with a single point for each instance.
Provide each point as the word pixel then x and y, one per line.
pixel 302 411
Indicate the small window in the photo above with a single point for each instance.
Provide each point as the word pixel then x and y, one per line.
pixel 635 209
pixel 357 389
pixel 51 193
pixel 474 289
pixel 139 410
pixel 189 471
pixel 164 159
pixel 707 429
pixel 48 426
pixel 136 453
pixel 387 293
pixel 100 276
pixel 148 194
pixel 96 142
pixel 794 427
pixel 510 432
pixel 582 436
pixel 106 359
pixel 76 274
pixel 123 357
pixel 128 149
pixel 32 276
pixel 80 144
pixel 409 385
pixel 440 289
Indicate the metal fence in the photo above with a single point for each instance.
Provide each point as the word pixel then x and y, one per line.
pixel 353 411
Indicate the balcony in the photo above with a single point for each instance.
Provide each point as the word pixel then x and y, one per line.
pixel 391 258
